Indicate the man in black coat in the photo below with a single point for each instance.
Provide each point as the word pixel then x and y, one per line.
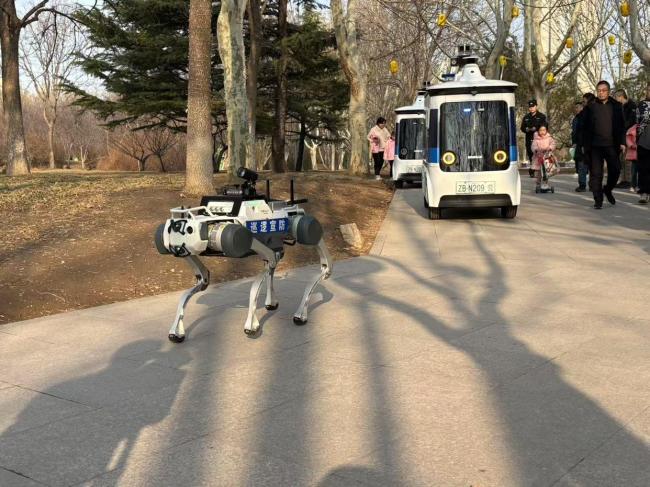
pixel 531 123
pixel 603 138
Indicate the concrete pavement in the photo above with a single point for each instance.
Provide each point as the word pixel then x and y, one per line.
pixel 467 351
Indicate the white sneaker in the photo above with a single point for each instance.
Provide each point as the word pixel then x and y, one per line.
pixel 633 189
pixel 377 178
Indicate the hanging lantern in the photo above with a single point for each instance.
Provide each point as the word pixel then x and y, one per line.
pixel 393 67
pixel 442 20
pixel 515 12
pixel 625 9
pixel 569 42
pixel 503 61
pixel 627 57
pixel 611 39
pixel 550 78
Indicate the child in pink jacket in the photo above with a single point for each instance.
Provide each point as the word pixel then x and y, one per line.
pixel 630 155
pixel 543 144
pixel 389 152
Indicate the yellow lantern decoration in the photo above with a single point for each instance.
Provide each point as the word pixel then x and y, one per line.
pixel 550 78
pixel 611 39
pixel 503 61
pixel 515 12
pixel 569 42
pixel 393 67
pixel 627 57
pixel 625 9
pixel 442 20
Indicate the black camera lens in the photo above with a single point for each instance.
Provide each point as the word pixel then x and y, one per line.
pixel 247 174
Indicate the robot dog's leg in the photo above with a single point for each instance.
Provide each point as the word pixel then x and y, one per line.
pixel 270 303
pixel 252 325
pixel 300 316
pixel 177 331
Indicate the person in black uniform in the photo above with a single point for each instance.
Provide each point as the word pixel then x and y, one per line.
pixel 531 123
pixel 603 138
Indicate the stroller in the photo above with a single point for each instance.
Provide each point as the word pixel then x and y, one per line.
pixel 549 168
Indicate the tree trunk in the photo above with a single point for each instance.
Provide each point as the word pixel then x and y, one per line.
pixel 16 155
pixel 198 166
pixel 347 44
pixel 255 28
pixel 231 51
pixel 162 164
pixel 279 132
pixel 50 140
pixel 301 146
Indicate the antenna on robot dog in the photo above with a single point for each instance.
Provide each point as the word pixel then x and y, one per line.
pixel 292 200
pixel 268 190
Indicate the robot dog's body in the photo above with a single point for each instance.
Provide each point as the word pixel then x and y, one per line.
pixel 237 224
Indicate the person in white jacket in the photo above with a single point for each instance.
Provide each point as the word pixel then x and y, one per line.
pixel 378 136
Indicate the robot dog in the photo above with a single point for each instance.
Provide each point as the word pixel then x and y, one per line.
pixel 238 223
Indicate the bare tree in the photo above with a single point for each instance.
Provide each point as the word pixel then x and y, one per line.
pixel 256 10
pixel 639 12
pixel 345 29
pixel 47 57
pixel 142 143
pixel 198 172
pixel 230 35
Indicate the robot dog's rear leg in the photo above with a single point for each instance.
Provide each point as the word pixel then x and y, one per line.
pixel 252 325
pixel 270 302
pixel 202 274
pixel 300 316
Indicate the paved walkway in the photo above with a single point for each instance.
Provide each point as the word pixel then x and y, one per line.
pixel 469 351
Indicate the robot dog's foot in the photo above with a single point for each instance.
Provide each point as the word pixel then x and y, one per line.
pixel 176 338
pixel 272 307
pixel 299 320
pixel 252 327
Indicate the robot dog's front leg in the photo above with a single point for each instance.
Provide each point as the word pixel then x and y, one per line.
pixel 252 325
pixel 300 316
pixel 202 274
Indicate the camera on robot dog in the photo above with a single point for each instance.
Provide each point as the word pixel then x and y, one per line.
pixel 247 188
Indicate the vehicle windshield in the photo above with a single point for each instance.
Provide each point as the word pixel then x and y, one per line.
pixel 411 138
pixel 474 131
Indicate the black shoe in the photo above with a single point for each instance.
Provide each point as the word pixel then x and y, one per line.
pixel 623 184
pixel 581 189
pixel 610 197
pixel 598 206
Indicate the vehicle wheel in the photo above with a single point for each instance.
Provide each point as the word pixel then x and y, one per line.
pixel 435 213
pixel 509 211
pixel 538 190
pixel 552 190
pixel 399 184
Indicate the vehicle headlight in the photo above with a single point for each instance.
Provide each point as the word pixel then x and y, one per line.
pixel 449 158
pixel 500 156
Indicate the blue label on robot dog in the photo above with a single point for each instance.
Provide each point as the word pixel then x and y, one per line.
pixel 268 226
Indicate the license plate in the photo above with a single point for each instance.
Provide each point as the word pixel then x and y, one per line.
pixel 415 169
pixel 475 187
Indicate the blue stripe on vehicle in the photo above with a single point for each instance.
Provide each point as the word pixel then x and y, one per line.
pixel 513 154
pixel 434 155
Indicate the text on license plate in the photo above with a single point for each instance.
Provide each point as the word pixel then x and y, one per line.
pixel 465 187
pixel 415 169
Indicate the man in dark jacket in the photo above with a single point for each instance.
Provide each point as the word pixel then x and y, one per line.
pixel 531 123
pixel 603 136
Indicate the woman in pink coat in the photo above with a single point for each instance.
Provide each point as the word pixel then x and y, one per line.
pixel 543 143
pixel 630 155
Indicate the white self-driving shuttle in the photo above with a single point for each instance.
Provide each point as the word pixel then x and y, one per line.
pixel 410 142
pixel 471 156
